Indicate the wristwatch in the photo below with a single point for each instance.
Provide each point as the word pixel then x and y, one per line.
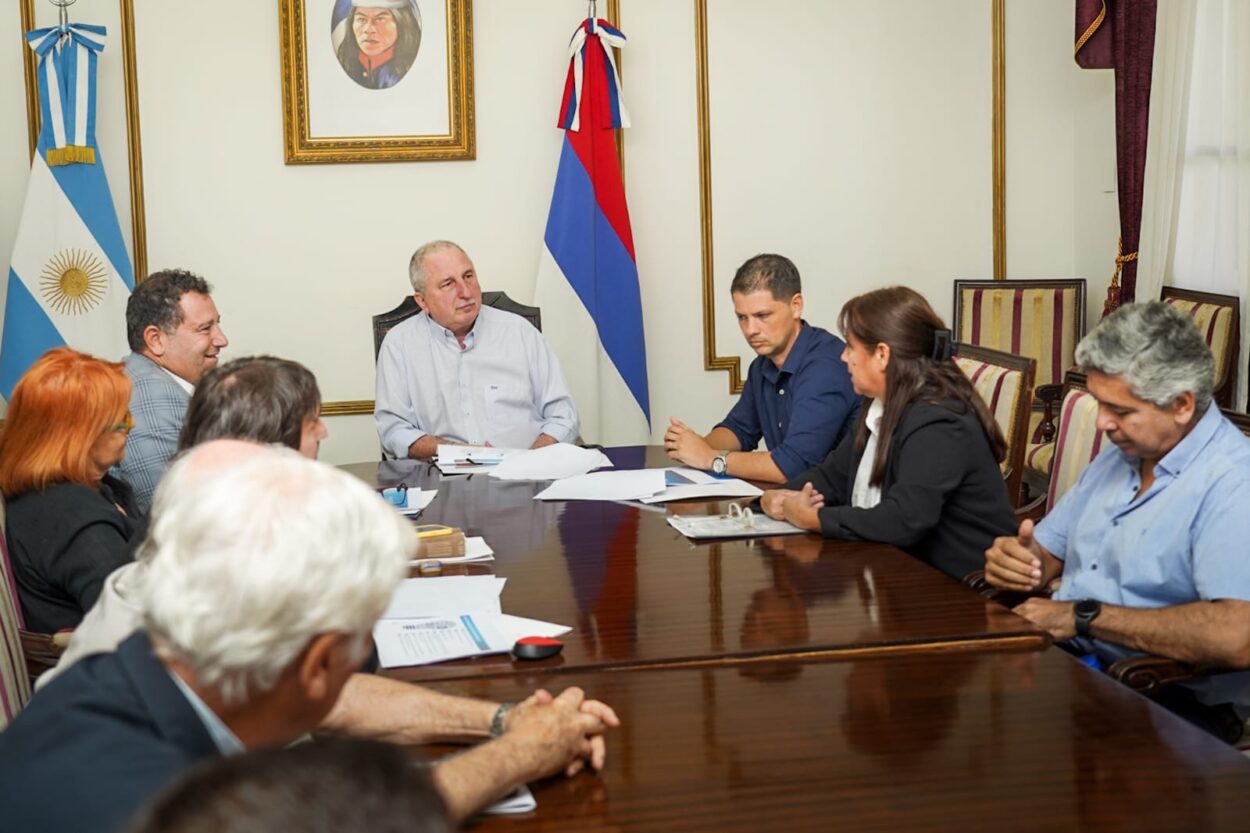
pixel 1087 611
pixel 720 463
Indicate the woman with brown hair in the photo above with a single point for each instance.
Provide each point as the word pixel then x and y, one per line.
pixel 68 522
pixel 921 469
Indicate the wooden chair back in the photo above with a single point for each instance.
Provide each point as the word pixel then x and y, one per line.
pixel 1005 382
pixel 1041 319
pixel 14 677
pixel 1218 319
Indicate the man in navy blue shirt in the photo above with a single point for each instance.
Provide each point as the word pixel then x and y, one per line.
pixel 798 395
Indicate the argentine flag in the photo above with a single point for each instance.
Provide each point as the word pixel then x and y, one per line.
pixel 587 275
pixel 70 274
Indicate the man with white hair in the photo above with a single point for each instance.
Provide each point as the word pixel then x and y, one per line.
pixel 459 372
pixel 261 587
pixel 1149 542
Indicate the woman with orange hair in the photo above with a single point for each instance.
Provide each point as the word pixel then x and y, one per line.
pixel 69 522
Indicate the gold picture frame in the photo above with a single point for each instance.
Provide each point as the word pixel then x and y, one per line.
pixel 328 114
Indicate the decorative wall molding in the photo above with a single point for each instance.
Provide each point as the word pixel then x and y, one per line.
pixel 733 364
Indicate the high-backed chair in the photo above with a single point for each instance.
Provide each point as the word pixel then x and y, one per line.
pixel 1005 382
pixel 14 677
pixel 1041 319
pixel 1218 319
pixel 1077 442
pixel 383 322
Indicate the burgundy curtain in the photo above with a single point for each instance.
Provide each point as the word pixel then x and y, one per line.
pixel 1120 35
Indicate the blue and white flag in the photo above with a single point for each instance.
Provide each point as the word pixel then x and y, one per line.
pixel 587 276
pixel 70 274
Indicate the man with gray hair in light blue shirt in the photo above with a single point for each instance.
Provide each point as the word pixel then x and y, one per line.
pixel 462 373
pixel 1150 544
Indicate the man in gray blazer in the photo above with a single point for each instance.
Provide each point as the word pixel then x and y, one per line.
pixel 175 336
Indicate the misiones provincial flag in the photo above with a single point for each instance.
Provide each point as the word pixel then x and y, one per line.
pixel 587 275
pixel 70 274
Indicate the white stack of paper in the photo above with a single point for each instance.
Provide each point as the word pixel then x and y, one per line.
pixel 684 484
pixel 470 459
pixel 550 463
pixel 729 526
pixel 445 596
pixel 606 485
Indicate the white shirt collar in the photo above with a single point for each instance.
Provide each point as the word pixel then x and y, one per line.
pixel 181 382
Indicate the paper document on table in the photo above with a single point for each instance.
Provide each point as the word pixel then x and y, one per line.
pixel 423 641
pixel 515 627
pixel 417 500
pixel 550 463
pixel 606 485
pixel 475 550
pixel 521 800
pixel 742 523
pixel 470 459
pixel 700 484
pixel 445 596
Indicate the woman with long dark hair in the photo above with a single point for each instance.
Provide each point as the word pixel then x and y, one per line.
pixel 921 469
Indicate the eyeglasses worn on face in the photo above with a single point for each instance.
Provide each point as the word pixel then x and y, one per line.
pixel 126 425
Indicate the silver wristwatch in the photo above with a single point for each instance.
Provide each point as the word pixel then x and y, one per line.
pixel 720 463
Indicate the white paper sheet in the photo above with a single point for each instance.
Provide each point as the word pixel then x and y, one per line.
pixel 715 489
pixel 418 499
pixel 723 526
pixel 606 485
pixel 475 550
pixel 423 641
pixel 445 596
pixel 520 801
pixel 550 463
pixel 470 459
pixel 516 627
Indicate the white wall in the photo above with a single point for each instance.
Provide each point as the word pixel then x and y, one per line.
pixel 853 137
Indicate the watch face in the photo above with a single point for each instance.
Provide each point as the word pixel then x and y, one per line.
pixel 1087 608
pixel 718 465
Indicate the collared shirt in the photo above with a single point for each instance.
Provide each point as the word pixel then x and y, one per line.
pixel 801 409
pixel 227 742
pixel 180 382
pixel 1181 541
pixel 504 387
pixel 863 494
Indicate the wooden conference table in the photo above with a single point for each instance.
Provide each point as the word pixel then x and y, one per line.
pixel 797 683
pixel 637 593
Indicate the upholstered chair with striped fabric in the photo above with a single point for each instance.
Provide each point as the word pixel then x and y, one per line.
pixel 14 679
pixel 1077 440
pixel 1218 319
pixel 1041 319
pixel 1005 382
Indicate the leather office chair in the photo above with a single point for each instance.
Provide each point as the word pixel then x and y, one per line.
pixel 383 322
pixel 1005 382
pixel 1217 318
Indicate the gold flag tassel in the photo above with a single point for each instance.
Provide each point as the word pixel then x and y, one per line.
pixel 1113 290
pixel 71 155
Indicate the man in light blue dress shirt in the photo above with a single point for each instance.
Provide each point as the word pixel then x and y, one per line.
pixel 1150 544
pixel 462 373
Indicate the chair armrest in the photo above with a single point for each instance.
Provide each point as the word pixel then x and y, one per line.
pixel 41 650
pixel 1050 396
pixel 1034 510
pixel 1148 673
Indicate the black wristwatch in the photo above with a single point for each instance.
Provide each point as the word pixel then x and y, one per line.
pixel 1086 611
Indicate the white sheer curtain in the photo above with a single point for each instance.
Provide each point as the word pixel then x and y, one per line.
pixel 1212 238
pixel 1165 157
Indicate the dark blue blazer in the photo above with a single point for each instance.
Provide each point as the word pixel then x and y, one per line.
pixel 97 743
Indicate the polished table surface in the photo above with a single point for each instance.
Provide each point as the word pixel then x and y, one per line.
pixel 637 593
pixel 1019 741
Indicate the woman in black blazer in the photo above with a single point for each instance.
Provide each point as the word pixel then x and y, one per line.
pixel 921 469
pixel 69 523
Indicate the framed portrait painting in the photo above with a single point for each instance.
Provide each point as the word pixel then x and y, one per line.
pixel 377 80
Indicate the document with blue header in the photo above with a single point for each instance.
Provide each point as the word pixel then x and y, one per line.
pixel 436 639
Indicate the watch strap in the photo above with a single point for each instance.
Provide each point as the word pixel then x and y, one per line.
pixel 496 722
